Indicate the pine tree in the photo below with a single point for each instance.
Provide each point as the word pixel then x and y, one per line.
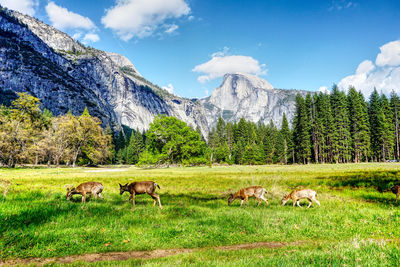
pixel 376 119
pixel 301 132
pixel 359 125
pixel 270 142
pixel 285 135
pixel 395 104
pixel 135 148
pixel 388 129
pixel 341 128
pixel 314 126
pixel 220 132
pixel 230 139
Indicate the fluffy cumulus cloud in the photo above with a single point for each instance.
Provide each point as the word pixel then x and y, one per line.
pixel 24 6
pixel 63 19
pixel 169 88
pixel 384 74
pixel 91 37
pixel 390 55
pixel 221 64
pixel 142 18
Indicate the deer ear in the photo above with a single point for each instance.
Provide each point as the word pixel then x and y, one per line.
pixel 68 189
pixel 126 184
pixel 120 185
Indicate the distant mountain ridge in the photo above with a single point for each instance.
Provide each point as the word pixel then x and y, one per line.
pixel 66 75
pixel 248 96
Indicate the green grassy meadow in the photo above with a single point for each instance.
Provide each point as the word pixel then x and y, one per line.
pixel 355 225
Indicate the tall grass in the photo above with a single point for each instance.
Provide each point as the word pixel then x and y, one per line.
pixel 37 221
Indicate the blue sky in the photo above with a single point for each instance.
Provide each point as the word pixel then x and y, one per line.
pixel 292 44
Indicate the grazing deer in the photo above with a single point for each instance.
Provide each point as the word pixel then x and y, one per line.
pixel 245 193
pixel 296 195
pixel 93 188
pixel 144 187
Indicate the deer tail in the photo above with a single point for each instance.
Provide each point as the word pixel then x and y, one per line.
pixel 157 185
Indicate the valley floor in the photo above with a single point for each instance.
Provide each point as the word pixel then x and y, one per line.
pixel 355 225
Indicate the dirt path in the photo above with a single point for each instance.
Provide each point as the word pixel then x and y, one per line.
pixel 159 253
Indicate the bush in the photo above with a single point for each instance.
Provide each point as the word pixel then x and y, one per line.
pixel 195 161
pixel 147 158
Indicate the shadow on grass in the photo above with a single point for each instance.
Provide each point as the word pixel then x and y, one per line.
pixel 378 179
pixel 35 207
pixel 381 181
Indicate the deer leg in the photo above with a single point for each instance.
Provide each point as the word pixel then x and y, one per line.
pixel 259 201
pixel 309 204
pixel 316 201
pixel 153 196
pixel 294 202
pixel 298 203
pixel 100 196
pixel 246 198
pixel 133 199
pixel 95 195
pixel 159 201
pixel 266 201
pixel 83 197
pixel 241 202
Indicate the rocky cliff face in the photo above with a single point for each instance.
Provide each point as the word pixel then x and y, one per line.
pixel 66 75
pixel 250 97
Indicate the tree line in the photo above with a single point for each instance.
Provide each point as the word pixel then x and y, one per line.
pixel 327 128
pixel 29 135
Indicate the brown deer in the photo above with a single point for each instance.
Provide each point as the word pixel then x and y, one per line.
pixel 144 187
pixel 245 193
pixel 296 195
pixel 93 188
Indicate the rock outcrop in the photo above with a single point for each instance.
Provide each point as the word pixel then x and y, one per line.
pixel 250 97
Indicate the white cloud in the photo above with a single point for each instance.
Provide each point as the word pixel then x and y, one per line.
pixel 63 19
pixel 221 64
pixel 389 55
pixel 141 18
pixel 24 6
pixel 171 28
pixel 384 75
pixel 324 90
pixel 339 5
pixel 77 35
pixel 365 67
pixel 169 88
pixel 91 37
pixel 222 53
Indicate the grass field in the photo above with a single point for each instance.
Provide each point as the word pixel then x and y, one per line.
pixel 355 225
